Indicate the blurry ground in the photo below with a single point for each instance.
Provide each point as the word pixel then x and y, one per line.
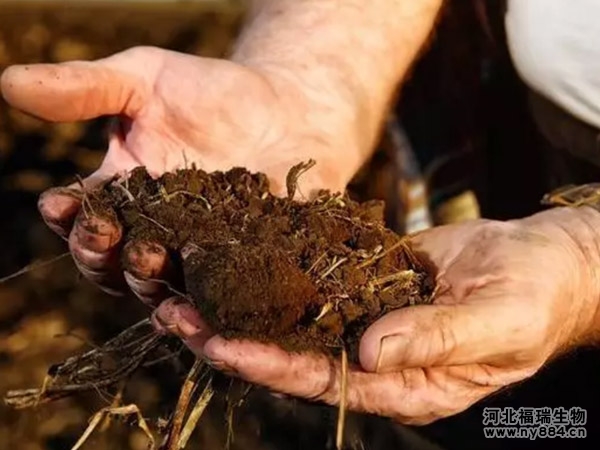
pixel 454 104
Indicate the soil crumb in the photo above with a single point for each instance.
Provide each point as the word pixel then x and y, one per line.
pixel 308 276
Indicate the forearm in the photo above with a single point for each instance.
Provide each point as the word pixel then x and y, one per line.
pixel 347 57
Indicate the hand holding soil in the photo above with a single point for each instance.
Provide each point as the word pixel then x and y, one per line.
pixel 510 297
pixel 321 275
pixel 175 110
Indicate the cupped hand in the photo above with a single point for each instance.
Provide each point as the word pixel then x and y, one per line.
pixel 510 296
pixel 173 110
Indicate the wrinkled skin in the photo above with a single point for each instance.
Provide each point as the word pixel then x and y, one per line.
pixel 174 110
pixel 511 295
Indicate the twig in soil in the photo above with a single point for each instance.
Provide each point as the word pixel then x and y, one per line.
pixel 85 201
pixel 334 266
pixel 378 255
pixel 158 224
pixel 336 200
pixel 119 411
pixel 343 401
pixel 316 263
pixel 164 195
pixel 126 191
pixel 402 276
pixel 326 308
pixel 436 291
pixel 291 181
pixel 32 267
pixel 185 160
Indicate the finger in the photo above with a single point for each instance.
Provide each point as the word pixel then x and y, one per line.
pixel 440 245
pixel 78 90
pixel 177 316
pixel 409 396
pixel 149 271
pixel 434 335
pixel 59 206
pixel 94 243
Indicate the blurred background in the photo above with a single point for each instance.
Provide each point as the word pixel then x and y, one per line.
pixel 461 131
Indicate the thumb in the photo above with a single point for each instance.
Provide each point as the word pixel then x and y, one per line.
pixel 78 90
pixel 430 335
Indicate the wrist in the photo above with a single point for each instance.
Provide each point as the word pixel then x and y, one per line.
pixel 340 62
pixel 323 115
pixel 577 232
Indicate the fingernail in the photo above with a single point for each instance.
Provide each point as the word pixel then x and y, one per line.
pixel 146 291
pixel 220 366
pixel 98 235
pixel 180 319
pixel 278 395
pixel 158 324
pixel 97 225
pixel 62 191
pixel 390 349
pixel 189 319
pixel 58 207
pixel 145 259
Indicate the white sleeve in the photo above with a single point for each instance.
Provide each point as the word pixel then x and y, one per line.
pixel 555 46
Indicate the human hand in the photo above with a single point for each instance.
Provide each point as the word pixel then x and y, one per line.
pixel 511 296
pixel 173 110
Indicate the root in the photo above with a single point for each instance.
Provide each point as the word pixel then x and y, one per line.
pixel 377 255
pixel 294 174
pixel 410 255
pixel 33 266
pixel 403 277
pixel 326 308
pixel 98 368
pixel 316 263
pixel 339 439
pixel 333 266
pixel 158 224
pixel 185 160
pixel 85 201
pixel 119 411
pixel 167 197
pixel 125 190
pixel 112 363
pixel 334 201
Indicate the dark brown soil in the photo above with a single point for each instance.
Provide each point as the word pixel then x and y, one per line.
pixel 305 275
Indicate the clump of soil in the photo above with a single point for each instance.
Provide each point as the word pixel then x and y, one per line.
pixel 304 275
